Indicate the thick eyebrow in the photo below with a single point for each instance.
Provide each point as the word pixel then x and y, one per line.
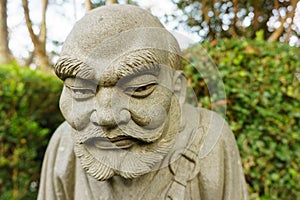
pixel 67 67
pixel 138 62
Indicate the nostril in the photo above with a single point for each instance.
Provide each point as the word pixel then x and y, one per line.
pixel 95 123
pixel 124 117
pixel 103 119
pixel 94 118
pixel 108 120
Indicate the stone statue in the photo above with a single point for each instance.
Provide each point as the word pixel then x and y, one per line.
pixel 128 132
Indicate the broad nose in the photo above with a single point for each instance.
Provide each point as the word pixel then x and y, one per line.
pixel 109 108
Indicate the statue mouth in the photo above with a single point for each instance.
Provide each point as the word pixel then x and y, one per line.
pixel 120 142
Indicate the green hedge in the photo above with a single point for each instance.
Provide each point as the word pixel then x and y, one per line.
pixel 263 109
pixel 28 115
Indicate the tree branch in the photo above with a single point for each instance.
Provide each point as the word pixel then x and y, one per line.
pixel 111 2
pixel 278 32
pixel 88 5
pixel 5 54
pixel 29 22
pixel 43 31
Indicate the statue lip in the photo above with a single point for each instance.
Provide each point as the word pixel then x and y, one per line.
pixel 120 142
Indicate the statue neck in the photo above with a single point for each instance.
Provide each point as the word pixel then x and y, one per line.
pixel 149 186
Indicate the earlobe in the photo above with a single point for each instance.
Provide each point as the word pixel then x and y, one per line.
pixel 179 83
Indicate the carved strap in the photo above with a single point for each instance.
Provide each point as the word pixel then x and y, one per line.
pixel 184 169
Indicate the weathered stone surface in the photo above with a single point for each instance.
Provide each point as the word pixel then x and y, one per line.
pixel 128 132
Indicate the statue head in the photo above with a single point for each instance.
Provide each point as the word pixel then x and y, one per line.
pixel 123 91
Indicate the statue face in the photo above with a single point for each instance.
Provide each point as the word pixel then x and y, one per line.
pixel 124 116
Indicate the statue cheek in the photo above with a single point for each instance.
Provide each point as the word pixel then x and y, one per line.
pixel 157 115
pixel 148 113
pixel 77 114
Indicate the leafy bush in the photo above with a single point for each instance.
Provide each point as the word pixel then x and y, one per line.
pixel 28 114
pixel 263 109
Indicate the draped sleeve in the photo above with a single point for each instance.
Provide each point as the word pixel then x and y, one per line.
pixel 57 180
pixel 221 176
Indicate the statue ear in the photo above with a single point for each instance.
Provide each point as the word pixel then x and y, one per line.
pixel 179 83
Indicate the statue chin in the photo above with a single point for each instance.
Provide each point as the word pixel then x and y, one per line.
pixel 128 158
pixel 116 162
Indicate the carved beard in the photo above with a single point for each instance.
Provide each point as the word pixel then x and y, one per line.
pixel 135 162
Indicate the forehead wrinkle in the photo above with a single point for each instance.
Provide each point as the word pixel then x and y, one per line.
pixel 67 67
pixel 130 64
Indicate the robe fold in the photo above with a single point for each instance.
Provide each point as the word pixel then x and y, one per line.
pixel 219 176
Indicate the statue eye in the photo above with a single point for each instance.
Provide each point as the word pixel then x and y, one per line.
pixel 82 93
pixel 140 91
pixel 80 89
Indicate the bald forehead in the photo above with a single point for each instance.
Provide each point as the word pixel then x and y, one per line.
pixel 142 46
pixel 131 42
pixel 103 23
pixel 116 40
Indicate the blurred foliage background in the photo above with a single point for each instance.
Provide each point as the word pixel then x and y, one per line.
pixel 29 114
pixel 254 45
pixel 262 108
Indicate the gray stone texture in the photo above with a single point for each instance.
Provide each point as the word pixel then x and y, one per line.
pixel 128 132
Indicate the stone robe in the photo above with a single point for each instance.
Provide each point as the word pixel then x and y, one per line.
pixel 218 174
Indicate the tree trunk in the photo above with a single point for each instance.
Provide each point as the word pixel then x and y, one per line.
pixel 39 41
pixel 88 5
pixel 42 56
pixel 289 29
pixel 278 32
pixel 233 28
pixel 205 9
pixel 256 25
pixel 43 31
pixel 5 54
pixel 111 2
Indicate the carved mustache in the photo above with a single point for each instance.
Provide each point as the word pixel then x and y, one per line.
pixel 128 131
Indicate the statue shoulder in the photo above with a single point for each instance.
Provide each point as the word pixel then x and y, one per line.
pixel 61 140
pixel 216 132
pixel 63 128
pixel 208 129
pixel 210 118
pixel 58 166
pixel 60 149
pixel 63 131
pixel 202 117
